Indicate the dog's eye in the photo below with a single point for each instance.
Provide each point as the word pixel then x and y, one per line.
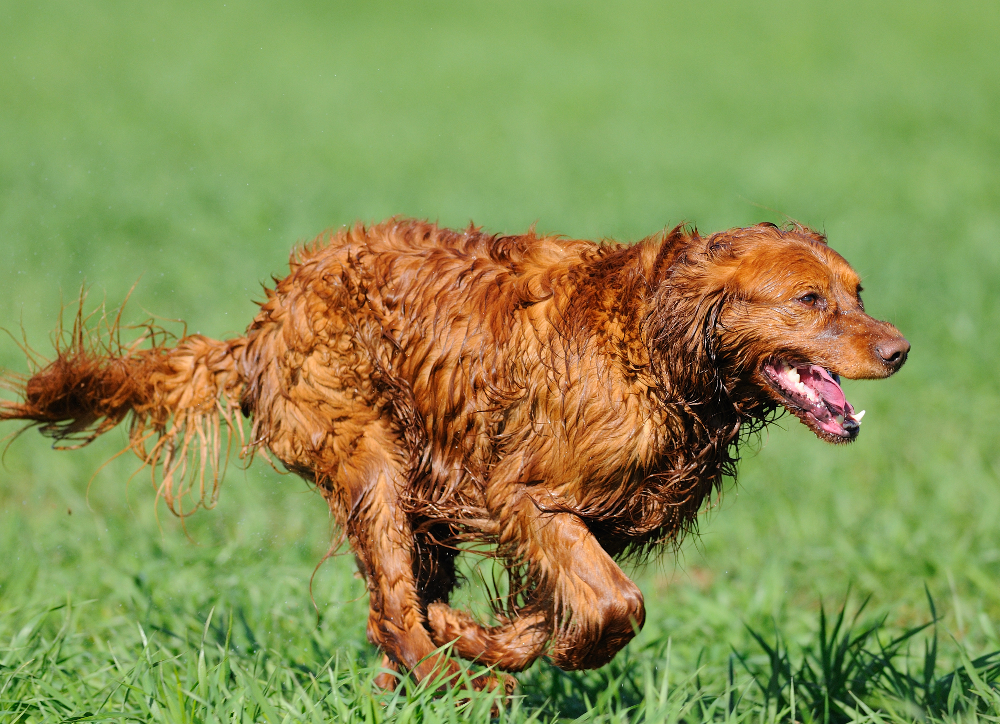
pixel 809 299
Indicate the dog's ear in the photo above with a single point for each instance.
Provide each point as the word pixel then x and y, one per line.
pixel 673 244
pixel 724 245
pixel 710 326
pixel 719 246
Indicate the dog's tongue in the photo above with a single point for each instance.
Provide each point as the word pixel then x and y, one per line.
pixel 818 379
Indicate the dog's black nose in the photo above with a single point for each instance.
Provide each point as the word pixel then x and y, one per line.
pixel 893 352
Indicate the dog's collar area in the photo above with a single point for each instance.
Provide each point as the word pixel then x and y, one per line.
pixel 814 393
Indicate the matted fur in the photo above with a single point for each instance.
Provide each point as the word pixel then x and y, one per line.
pixel 563 402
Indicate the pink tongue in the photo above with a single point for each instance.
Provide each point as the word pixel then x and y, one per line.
pixel 818 379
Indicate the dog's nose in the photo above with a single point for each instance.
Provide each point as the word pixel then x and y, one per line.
pixel 893 352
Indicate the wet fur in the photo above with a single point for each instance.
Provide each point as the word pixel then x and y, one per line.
pixel 564 402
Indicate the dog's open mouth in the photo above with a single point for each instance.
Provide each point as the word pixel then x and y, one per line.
pixel 814 395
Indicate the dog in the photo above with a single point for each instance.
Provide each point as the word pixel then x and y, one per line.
pixel 566 405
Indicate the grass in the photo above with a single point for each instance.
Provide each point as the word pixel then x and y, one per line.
pixel 186 146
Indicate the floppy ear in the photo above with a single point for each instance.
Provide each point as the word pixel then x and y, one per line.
pixel 711 324
pixel 725 245
pixel 696 329
pixel 673 245
pixel 720 246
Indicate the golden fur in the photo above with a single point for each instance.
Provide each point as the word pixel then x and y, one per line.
pixel 568 403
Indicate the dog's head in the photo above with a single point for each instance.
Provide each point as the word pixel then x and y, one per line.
pixel 790 323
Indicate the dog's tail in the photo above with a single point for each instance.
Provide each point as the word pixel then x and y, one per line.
pixel 180 399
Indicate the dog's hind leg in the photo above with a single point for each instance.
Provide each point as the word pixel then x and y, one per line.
pixel 583 613
pixel 510 646
pixel 581 609
pixel 373 480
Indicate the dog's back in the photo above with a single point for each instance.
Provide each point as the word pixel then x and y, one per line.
pixel 475 346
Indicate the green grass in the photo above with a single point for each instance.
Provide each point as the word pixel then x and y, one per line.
pixel 186 146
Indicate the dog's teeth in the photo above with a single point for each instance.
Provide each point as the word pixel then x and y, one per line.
pixel 793 375
pixel 858 415
pixel 806 392
pixel 839 419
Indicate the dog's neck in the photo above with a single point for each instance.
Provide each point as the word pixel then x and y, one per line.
pixel 654 324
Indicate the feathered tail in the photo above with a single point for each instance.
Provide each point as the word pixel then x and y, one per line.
pixel 178 400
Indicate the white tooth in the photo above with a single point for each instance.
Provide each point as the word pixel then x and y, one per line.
pixel 793 375
pixel 858 416
pixel 839 419
pixel 805 391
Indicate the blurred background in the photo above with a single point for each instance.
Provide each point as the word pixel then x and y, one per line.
pixel 183 148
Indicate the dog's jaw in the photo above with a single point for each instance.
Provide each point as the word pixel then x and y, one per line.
pixel 813 394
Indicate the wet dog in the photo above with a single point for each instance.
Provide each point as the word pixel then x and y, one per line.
pixel 565 403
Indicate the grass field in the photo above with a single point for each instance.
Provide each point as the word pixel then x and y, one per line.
pixel 184 147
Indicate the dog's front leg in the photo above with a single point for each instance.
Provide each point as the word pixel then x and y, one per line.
pixel 582 608
pixel 594 609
